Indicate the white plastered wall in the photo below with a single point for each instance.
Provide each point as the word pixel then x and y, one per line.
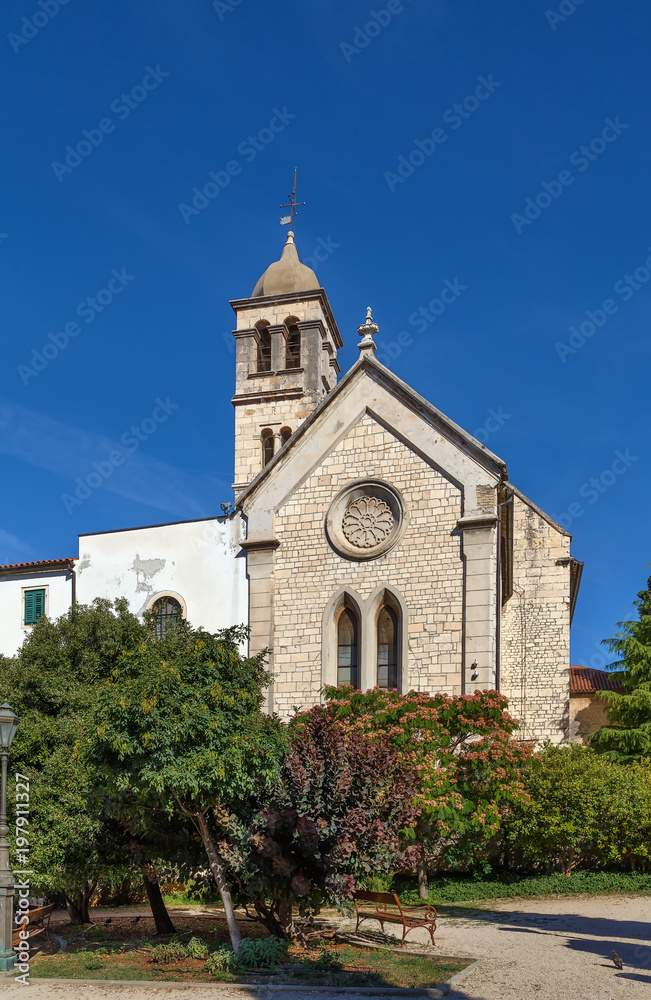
pixel 58 597
pixel 199 562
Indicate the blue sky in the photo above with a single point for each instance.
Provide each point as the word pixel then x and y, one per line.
pixel 353 96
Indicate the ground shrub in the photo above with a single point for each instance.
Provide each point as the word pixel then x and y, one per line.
pixel 262 953
pixel 221 960
pixel 166 954
pixel 195 948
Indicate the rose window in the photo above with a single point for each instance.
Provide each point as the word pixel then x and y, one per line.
pixel 367 522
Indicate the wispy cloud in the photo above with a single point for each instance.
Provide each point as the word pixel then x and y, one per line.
pixel 12 550
pixel 69 452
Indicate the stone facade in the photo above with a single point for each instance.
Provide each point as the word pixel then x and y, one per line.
pixel 425 568
pixel 535 639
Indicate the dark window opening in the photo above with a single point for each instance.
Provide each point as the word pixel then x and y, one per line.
pixel 168 611
pixel 387 649
pixel 267 446
pixel 264 350
pixel 293 348
pixel 285 434
pixel 347 648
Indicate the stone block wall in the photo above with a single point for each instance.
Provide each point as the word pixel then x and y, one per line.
pixel 535 671
pixel 425 567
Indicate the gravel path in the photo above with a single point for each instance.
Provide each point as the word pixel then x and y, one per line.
pixel 552 949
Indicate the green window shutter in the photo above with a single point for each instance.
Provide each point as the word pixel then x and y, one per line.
pixel 34 605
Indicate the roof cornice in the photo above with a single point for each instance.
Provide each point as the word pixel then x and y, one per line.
pixel 289 297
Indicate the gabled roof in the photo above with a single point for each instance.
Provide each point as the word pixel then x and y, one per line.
pixel 379 373
pixel 587 680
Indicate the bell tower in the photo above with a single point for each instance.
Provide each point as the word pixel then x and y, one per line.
pixel 286 360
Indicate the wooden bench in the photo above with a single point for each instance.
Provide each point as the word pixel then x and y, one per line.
pixel 388 909
pixel 39 923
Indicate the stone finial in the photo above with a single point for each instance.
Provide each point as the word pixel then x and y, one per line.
pixel 290 237
pixel 366 332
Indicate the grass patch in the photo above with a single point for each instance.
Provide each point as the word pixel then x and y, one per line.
pixel 123 951
pixel 458 890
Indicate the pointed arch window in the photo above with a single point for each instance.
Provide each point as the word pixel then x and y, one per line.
pixel 264 349
pixel 348 648
pixel 387 649
pixel 293 347
pixel 267 445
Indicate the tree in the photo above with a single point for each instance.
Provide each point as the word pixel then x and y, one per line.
pixel 628 735
pixel 468 763
pixel 178 724
pixel 584 811
pixel 335 816
pixel 51 685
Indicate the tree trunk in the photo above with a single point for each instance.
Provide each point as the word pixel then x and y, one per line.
pixel 159 912
pixel 74 911
pixel 218 875
pixel 421 869
pixel 78 907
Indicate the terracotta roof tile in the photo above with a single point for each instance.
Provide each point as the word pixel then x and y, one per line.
pixel 42 562
pixel 585 680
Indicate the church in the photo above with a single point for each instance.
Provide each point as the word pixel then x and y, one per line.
pixel 372 541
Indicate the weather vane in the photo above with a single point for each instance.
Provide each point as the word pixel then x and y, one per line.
pixel 288 220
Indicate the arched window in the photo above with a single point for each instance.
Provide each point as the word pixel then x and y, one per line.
pixel 264 349
pixel 267 445
pixel 347 648
pixel 293 347
pixel 387 649
pixel 167 611
pixel 285 434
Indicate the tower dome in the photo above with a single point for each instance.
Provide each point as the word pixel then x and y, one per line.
pixel 287 274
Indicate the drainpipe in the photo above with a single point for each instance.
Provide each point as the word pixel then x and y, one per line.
pixel 73 579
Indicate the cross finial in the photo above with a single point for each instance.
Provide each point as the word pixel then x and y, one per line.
pixel 366 332
pixel 288 220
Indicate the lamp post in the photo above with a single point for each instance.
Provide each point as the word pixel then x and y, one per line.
pixel 8 726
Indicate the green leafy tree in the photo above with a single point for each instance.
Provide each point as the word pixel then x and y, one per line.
pixel 628 735
pixel 51 685
pixel 178 725
pixel 335 816
pixel 568 822
pixel 468 762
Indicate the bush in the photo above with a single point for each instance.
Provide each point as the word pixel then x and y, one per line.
pixel 585 811
pixel 262 953
pixel 459 890
pixel 166 954
pixel 196 948
pixel 222 960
